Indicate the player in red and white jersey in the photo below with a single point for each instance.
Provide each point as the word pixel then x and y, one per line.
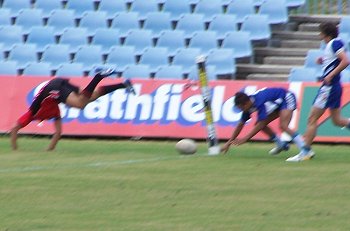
pixel 60 90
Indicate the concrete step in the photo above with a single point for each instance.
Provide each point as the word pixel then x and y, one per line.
pixel 314 18
pixel 277 60
pixel 246 69
pixel 261 52
pixel 302 35
pixel 309 27
pixel 293 43
pixel 267 77
pixel 273 51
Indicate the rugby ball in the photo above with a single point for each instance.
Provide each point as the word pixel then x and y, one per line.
pixel 186 146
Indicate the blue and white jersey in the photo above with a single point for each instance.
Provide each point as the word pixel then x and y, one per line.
pixel 329 96
pixel 267 100
pixel 330 59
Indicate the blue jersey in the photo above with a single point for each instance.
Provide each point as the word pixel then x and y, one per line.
pixel 267 100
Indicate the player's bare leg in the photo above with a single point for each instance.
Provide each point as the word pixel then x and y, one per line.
pixel 80 100
pixel 338 120
pixel 280 145
pixel 103 90
pixel 14 134
pixel 305 145
pixel 312 125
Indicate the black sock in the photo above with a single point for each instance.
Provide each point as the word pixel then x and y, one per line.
pixel 91 86
pixel 110 88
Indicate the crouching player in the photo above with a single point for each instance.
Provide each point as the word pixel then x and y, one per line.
pixel 60 90
pixel 270 104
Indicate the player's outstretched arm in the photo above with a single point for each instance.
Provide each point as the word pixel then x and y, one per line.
pixel 57 135
pixel 236 132
pixel 14 132
pixel 258 127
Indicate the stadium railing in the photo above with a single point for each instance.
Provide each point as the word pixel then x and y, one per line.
pixel 324 7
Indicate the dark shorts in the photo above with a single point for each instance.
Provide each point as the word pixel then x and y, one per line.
pixel 328 96
pixel 60 88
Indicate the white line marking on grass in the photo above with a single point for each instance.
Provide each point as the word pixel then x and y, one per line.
pixel 90 165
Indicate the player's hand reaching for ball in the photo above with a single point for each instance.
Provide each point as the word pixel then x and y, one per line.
pixel 226 147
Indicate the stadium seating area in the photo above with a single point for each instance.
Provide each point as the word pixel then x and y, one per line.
pixel 140 38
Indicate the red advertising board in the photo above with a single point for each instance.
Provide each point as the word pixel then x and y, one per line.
pixel 161 108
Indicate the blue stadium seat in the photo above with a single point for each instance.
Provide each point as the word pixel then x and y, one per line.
pixel 345 76
pixel 8 68
pixel 2 54
pixel 23 54
pixel 189 23
pixel 5 17
pixel 176 8
pixel 155 57
pixel 276 10
pixel 28 18
pixel 311 58
pixel 112 7
pixel 10 35
pixel 70 70
pixel 258 26
pixel 80 6
pixel 240 42
pixel 61 19
pixel 89 56
pixel 209 8
pixel 48 6
pixel 241 8
pixel 169 72
pixel 137 71
pixel 295 3
pixel 258 3
pixel 140 39
pixel 186 58
pixel 56 54
pixel 38 69
pixel 92 20
pixel 157 22
pixel 16 5
pixel 225 2
pixel 41 36
pixel 222 24
pixel 143 7
pixel 125 21
pixel 172 40
pixel 210 71
pixel 204 40
pixel 106 38
pixel 344 24
pixel 224 62
pixel 74 37
pixel 193 2
pixel 92 72
pixel 345 37
pixel 302 74
pixel 121 56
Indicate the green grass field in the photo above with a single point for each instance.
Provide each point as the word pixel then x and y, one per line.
pixel 146 185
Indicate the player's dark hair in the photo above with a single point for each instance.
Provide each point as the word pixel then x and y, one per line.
pixel 329 29
pixel 241 98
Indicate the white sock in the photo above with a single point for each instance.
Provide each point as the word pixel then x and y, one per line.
pixel 278 141
pixel 299 141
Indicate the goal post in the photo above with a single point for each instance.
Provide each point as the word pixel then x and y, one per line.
pixel 213 144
